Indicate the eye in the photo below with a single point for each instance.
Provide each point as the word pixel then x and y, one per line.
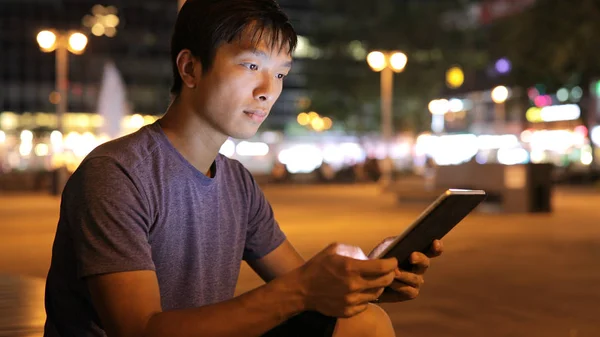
pixel 281 76
pixel 251 66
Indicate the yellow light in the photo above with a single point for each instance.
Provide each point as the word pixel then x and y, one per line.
pixel 398 61
pixel 110 31
pixel 376 60
pixel 303 118
pixel 455 77
pixel 9 120
pixel 327 123
pixel 499 94
pixel 534 115
pixel 111 20
pixel 317 124
pixel 98 10
pixel 312 115
pixel 46 40
pixel 77 42
pixel 136 121
pixel 41 150
pixel 54 97
pixel 98 29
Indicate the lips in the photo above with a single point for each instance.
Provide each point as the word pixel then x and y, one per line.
pixel 256 115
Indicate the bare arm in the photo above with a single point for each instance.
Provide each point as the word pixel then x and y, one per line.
pixel 281 261
pixel 128 304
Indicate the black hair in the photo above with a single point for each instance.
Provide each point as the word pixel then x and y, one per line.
pixel 203 25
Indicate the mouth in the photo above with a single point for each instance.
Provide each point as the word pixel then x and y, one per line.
pixel 256 115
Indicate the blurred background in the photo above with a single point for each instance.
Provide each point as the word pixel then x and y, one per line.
pixel 389 102
pixel 390 85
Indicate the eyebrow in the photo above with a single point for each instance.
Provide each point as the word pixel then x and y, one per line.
pixel 264 55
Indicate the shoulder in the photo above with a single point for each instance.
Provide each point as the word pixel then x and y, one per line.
pixel 130 150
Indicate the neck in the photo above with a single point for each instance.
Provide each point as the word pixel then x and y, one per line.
pixel 196 140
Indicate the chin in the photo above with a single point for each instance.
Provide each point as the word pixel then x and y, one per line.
pixel 243 134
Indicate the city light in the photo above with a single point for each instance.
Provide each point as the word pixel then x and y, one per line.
pixel 77 42
pixel 554 113
pixel 228 148
pixel 398 61
pixel 327 123
pixel 46 40
pixel 439 106
pixel 499 94
pixel 246 148
pixel 303 118
pixel 455 105
pixel 104 21
pixel 503 66
pixel 562 94
pixel 376 60
pixel 317 124
pixel 455 77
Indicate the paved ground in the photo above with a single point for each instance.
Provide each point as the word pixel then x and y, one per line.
pixel 502 275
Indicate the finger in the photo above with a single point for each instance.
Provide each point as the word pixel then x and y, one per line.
pixel 436 249
pixel 400 292
pixel 420 262
pixel 408 278
pixel 380 281
pixel 354 310
pixel 363 297
pixel 372 267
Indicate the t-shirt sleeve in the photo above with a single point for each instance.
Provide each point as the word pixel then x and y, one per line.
pixel 108 218
pixel 264 234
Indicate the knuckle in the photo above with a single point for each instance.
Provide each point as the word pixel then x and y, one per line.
pixel 347 266
pixel 353 285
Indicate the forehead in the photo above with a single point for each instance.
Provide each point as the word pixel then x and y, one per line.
pixel 264 39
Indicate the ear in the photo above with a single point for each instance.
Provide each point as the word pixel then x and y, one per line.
pixel 189 68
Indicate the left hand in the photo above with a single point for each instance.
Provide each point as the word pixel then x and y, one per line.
pixel 407 283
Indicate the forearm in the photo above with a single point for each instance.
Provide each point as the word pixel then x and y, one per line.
pixel 250 314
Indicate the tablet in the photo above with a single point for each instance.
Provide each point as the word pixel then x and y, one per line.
pixel 434 223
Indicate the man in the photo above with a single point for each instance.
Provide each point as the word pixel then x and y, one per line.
pixel 153 226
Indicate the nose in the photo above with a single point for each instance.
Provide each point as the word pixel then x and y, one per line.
pixel 265 89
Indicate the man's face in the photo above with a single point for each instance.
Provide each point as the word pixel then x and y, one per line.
pixel 237 93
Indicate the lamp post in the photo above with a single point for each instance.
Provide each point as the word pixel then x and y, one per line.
pixel 62 43
pixel 387 63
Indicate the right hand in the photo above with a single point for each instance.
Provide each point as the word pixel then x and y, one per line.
pixel 341 286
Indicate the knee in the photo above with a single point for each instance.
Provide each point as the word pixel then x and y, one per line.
pixel 373 322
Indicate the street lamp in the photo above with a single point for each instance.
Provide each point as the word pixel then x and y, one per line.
pixel 387 63
pixel 62 43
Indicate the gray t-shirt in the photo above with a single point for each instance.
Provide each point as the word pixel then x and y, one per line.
pixel 136 204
